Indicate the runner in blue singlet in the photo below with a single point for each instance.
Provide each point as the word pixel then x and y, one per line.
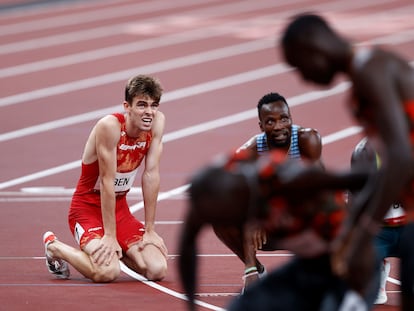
pixel 278 132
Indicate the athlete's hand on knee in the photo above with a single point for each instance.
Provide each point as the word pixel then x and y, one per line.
pixel 151 237
pixel 106 250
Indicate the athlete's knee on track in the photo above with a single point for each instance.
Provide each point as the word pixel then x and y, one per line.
pixel 106 274
pixel 157 270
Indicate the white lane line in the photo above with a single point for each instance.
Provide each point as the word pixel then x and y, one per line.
pixel 116 29
pixel 263 72
pixel 342 134
pixel 198 32
pixel 32 12
pixel 170 39
pixel 41 174
pixel 193 130
pixel 59 284
pixel 211 19
pixel 106 52
pixel 169 21
pixel 171 256
pixel 113 77
pixel 217 294
pixel 164 289
pixel 198 89
pixel 165 65
pixel 99 14
pixel 394 281
pixel 162 196
pixel 326 140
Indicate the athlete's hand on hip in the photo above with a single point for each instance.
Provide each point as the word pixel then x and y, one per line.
pixel 106 250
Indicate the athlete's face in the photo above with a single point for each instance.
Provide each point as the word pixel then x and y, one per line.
pixel 141 112
pixel 276 122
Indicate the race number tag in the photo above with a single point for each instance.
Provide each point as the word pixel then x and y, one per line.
pixel 79 231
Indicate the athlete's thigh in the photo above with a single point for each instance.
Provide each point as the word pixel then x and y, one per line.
pixel 129 230
pixel 89 249
pixel 86 224
pixel 91 246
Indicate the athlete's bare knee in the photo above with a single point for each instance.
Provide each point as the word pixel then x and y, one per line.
pixel 156 271
pixel 106 274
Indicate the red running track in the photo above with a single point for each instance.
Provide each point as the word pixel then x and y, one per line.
pixel 64 65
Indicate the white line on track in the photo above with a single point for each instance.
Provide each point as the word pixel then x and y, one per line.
pixel 111 51
pixel 98 14
pixel 59 284
pixel 185 92
pixel 216 12
pixel 237 79
pixel 200 32
pixel 325 140
pixel 132 47
pixel 219 11
pixel 161 66
pixel 328 139
pixel 172 256
pixel 120 75
pixel 164 289
pixel 216 294
pixel 394 281
pixel 302 99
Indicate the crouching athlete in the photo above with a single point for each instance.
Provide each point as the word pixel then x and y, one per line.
pixel 300 205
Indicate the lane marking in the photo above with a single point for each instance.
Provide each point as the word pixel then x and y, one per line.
pixel 178 94
pixel 120 75
pixel 394 281
pixel 164 289
pixel 142 279
pixel 170 39
pixel 200 31
pixel 163 196
pixel 75 164
pixel 60 284
pixel 163 23
pixel 238 26
pixel 217 294
pixel 327 140
pixel 161 66
pixel 213 306
pixel 170 256
pixel 237 79
pixel 302 99
pixel 77 18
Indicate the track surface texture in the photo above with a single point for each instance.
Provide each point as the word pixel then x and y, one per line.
pixel 63 65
